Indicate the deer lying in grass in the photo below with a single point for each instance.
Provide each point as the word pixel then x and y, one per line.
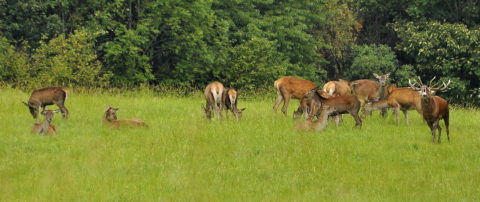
pixel 325 105
pixel 434 108
pixel 290 87
pixel 110 119
pixel 368 90
pixel 214 97
pixel 47 96
pixel 46 127
pixel 229 99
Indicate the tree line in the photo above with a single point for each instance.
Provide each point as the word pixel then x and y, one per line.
pixel 244 44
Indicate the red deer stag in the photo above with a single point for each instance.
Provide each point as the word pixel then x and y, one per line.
pixel 47 96
pixel 213 96
pixel 110 119
pixel 46 127
pixel 229 99
pixel 368 90
pixel 325 105
pixel 434 108
pixel 291 87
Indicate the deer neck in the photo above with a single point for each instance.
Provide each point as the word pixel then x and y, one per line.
pixel 428 105
pixel 381 91
pixel 45 125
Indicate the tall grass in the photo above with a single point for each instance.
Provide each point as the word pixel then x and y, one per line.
pixel 184 157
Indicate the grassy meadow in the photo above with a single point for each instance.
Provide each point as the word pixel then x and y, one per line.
pixel 183 157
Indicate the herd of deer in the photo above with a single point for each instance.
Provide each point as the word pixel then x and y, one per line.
pixel 316 105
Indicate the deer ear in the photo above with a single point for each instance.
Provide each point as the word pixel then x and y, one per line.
pixel 243 109
pixel 56 111
pixel 388 74
pixel 44 112
pixel 26 104
pixel 376 76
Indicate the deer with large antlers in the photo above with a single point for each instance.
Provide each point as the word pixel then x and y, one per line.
pixel 434 108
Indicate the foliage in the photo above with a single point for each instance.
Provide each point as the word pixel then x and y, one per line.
pixel 14 64
pixel 68 61
pixel 448 51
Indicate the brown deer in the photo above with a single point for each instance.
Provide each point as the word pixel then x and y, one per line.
pixel 46 127
pixel 368 90
pixel 325 105
pixel 434 108
pixel 110 119
pixel 214 99
pixel 47 96
pixel 229 99
pixel 340 87
pixel 290 87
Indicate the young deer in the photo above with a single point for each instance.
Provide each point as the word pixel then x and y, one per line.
pixel 214 96
pixel 434 108
pixel 110 119
pixel 47 96
pixel 46 127
pixel 229 99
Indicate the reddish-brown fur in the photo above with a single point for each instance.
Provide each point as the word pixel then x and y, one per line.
pixel 291 87
pixel 340 87
pixel 230 100
pixel 325 105
pixel 368 90
pixel 47 96
pixel 434 108
pixel 46 127
pixel 213 96
pixel 110 119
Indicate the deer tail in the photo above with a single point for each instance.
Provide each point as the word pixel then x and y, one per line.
pixel 217 95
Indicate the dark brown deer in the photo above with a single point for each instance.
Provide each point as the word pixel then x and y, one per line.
pixel 46 127
pixel 110 119
pixel 290 87
pixel 47 96
pixel 368 90
pixel 327 105
pixel 230 98
pixel 214 102
pixel 434 108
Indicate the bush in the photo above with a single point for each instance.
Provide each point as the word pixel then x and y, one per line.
pixel 14 65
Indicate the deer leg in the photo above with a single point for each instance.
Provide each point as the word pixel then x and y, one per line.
pixel 358 121
pixel 432 128
pixel 285 105
pixel 336 119
pixel 405 114
pixel 278 101
pixel 64 110
pixel 439 132
pixel 383 113
pixel 397 114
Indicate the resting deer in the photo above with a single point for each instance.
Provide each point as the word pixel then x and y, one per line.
pixel 46 127
pixel 434 108
pixel 214 96
pixel 290 87
pixel 229 99
pixel 47 96
pixel 110 119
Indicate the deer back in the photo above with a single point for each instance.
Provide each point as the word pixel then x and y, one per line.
pixel 294 87
pixel 48 96
pixel 366 88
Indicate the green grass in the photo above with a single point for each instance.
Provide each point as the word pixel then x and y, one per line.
pixel 184 157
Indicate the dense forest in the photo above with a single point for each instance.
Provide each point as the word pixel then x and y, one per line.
pixel 246 44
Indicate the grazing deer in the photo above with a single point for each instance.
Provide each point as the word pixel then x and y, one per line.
pixel 229 99
pixel 214 98
pixel 290 87
pixel 47 96
pixel 368 90
pixel 325 105
pixel 110 119
pixel 434 108
pixel 46 127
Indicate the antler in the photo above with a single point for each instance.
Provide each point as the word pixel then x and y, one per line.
pixel 430 83
pixel 420 80
pixel 412 85
pixel 444 86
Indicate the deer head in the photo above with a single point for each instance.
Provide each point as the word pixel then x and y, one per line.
pixel 382 80
pixel 430 89
pixel 237 113
pixel 33 109
pixel 111 113
pixel 49 114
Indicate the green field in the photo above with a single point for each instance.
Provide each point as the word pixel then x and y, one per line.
pixel 184 157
